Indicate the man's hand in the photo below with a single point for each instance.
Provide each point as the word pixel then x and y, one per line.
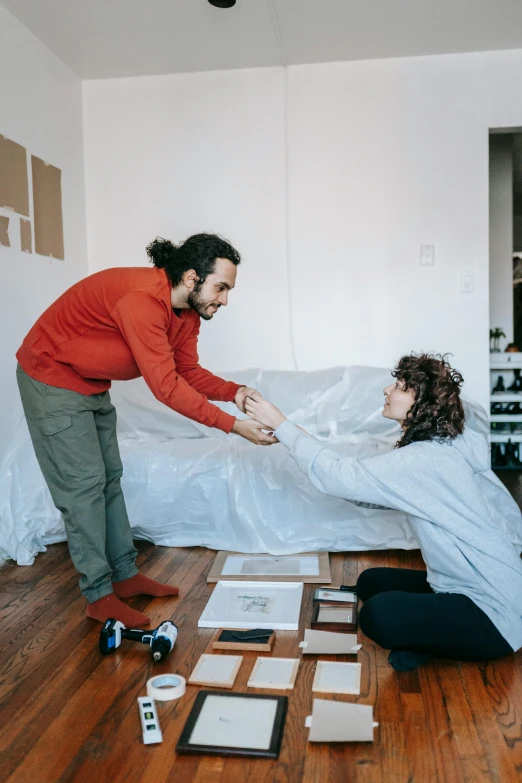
pixel 253 431
pixel 263 411
pixel 242 393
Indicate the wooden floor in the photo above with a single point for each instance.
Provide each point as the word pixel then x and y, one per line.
pixel 70 714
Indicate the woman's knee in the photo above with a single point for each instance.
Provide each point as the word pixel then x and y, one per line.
pixel 377 621
pixel 368 583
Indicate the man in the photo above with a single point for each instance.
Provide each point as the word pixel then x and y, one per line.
pixel 116 325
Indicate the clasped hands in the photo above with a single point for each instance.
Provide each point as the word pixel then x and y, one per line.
pixel 263 416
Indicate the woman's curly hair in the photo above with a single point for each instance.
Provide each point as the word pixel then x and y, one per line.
pixel 437 413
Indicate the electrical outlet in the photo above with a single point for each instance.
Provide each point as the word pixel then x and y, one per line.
pixel 427 255
pixel 467 282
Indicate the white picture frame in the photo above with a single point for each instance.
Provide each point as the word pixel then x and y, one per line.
pixel 336 677
pixel 275 673
pixel 275 605
pixel 219 671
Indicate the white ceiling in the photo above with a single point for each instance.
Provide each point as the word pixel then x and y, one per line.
pixel 114 38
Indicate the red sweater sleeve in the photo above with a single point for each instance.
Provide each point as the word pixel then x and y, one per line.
pixel 187 362
pixel 143 322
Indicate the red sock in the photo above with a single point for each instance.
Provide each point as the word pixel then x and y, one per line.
pixel 111 606
pixel 142 585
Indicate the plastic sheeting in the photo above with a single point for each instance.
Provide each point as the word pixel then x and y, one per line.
pixel 187 485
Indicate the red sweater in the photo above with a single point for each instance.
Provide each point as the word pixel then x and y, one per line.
pixel 119 324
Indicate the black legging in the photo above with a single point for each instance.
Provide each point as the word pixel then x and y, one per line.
pixel 402 612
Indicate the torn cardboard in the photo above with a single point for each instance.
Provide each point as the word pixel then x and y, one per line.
pixel 337 721
pixel 47 200
pixel 14 189
pixel 4 231
pixel 26 242
pixel 329 642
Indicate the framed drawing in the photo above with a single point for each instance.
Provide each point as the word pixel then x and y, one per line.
pixel 276 673
pixel 334 677
pixel 234 724
pixel 217 670
pixel 273 605
pixel 312 567
pixel 334 616
pixel 256 639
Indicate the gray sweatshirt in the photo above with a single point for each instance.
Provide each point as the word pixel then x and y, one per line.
pixel 452 507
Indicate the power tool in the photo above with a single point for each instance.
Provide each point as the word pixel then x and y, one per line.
pixel 161 640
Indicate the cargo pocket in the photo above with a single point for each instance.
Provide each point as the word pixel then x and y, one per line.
pixel 57 452
pixel 53 424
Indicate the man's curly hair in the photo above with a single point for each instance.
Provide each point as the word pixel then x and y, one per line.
pixel 437 413
pixel 198 252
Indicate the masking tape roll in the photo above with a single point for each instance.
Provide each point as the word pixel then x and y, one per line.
pixel 166 687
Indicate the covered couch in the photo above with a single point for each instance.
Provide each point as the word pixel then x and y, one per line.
pixel 188 485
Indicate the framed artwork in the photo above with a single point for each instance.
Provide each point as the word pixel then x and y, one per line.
pixel 256 639
pixel 338 596
pixel 234 724
pixel 312 567
pixel 334 616
pixel 218 670
pixel 272 605
pixel 277 673
pixel 335 677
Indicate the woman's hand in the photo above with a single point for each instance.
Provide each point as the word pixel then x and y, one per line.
pixel 263 411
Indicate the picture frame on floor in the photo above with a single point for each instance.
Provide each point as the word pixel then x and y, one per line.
pixel 307 567
pixel 334 616
pixel 337 677
pixel 234 724
pixel 253 639
pixel 335 595
pixel 274 673
pixel 219 671
pixel 274 605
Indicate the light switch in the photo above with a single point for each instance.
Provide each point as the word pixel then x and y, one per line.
pixel 427 255
pixel 467 282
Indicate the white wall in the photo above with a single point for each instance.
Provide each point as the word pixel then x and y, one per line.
pixel 383 156
pixel 176 155
pixel 40 108
pixel 501 235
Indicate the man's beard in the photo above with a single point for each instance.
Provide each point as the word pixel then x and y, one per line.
pixel 199 305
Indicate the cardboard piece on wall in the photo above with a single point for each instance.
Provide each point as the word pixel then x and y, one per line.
pixel 329 642
pixel 14 190
pixel 47 200
pixel 4 231
pixel 26 242
pixel 337 721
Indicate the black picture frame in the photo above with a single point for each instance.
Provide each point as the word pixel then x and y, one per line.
pixel 336 590
pixel 273 750
pixel 330 625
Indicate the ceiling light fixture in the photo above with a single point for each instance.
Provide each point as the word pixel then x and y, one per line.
pixel 222 3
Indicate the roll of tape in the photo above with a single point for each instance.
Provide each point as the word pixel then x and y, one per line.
pixel 166 687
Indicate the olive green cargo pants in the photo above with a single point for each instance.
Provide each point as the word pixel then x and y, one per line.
pixel 74 437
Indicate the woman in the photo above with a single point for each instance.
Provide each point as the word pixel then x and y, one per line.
pixel 467 605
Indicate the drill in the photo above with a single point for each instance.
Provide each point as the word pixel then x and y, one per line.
pixel 161 640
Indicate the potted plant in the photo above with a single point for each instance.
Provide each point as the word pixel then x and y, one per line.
pixel 494 337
